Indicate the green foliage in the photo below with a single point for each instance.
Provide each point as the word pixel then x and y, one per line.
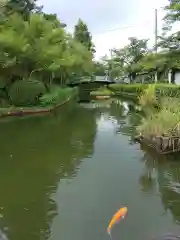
pixel 54 20
pixel 38 48
pixel 22 7
pixel 82 35
pixel 171 90
pixel 3 82
pixel 163 122
pixel 128 88
pixel 26 92
pixel 172 13
pixel 125 59
pixel 102 91
pixel 168 56
pixel 99 69
pixel 56 96
pixel 148 97
pixel 136 58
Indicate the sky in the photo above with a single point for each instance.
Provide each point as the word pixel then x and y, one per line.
pixel 130 18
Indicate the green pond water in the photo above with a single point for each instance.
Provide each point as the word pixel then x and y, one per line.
pixel 63 176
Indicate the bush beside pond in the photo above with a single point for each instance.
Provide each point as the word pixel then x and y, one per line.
pixel 57 95
pixel 102 92
pixel 53 98
pixel 161 123
pixel 26 93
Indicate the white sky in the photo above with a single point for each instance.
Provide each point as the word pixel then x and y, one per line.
pixel 104 15
pixel 143 27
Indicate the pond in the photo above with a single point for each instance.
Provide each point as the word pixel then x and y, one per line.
pixel 63 176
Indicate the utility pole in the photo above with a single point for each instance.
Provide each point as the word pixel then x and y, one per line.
pixel 156 33
pixel 110 73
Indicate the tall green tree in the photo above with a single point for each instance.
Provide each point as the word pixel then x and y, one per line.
pixel 172 12
pixel 22 7
pixel 82 35
pixel 99 68
pixel 38 48
pixel 54 19
pixel 170 43
pixel 130 55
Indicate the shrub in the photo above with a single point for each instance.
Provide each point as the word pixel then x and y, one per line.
pixel 163 122
pixel 161 89
pixel 170 90
pixel 128 88
pixel 102 91
pixel 41 48
pixel 26 92
pixel 148 97
pixel 56 96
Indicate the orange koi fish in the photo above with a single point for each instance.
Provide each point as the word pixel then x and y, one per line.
pixel 121 213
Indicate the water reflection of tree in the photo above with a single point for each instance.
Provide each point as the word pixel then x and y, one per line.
pixel 35 154
pixel 167 179
pixel 113 108
pixel 125 114
pixel 131 119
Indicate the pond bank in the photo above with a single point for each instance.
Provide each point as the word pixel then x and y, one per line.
pixel 27 111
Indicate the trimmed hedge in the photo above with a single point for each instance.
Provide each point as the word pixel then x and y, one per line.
pixel 102 91
pixel 26 92
pixel 162 89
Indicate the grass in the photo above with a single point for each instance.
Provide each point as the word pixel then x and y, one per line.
pixel 55 96
pixel 148 97
pixel 161 121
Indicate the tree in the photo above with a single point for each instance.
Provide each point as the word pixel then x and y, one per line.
pixel 172 13
pixel 170 43
pixel 53 18
pixel 130 55
pixel 99 68
pixel 37 48
pixel 22 7
pixel 82 35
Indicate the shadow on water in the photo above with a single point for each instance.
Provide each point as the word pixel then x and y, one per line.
pixel 35 154
pixel 163 172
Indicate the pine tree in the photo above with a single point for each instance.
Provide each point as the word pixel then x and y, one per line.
pixel 82 35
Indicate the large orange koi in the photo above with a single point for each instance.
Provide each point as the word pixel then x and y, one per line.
pixel 120 214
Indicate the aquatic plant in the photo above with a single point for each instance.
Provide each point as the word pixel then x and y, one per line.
pixel 148 97
pixel 162 122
